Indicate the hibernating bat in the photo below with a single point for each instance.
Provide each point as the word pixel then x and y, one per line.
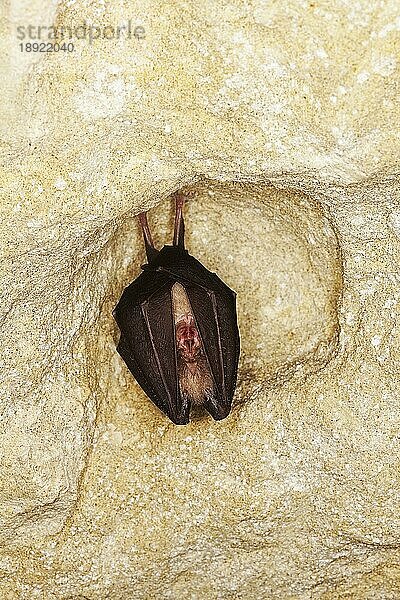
pixel 179 332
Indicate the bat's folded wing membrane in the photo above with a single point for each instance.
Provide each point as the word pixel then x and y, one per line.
pixel 215 314
pixel 147 345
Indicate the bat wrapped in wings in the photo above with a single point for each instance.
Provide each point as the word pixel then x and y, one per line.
pixel 179 332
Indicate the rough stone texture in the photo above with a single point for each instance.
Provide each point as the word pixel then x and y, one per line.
pixel 282 121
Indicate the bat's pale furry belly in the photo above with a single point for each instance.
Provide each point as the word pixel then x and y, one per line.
pixel 195 379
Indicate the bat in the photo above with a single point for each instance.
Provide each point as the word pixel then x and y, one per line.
pixel 179 333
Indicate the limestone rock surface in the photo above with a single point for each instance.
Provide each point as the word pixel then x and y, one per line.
pixel 280 120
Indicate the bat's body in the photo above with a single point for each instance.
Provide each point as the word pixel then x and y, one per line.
pixel 179 334
pixel 195 377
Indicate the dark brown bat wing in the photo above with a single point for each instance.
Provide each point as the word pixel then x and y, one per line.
pixel 147 342
pixel 215 313
pixel 148 347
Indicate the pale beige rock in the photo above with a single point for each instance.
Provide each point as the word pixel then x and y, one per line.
pixel 282 121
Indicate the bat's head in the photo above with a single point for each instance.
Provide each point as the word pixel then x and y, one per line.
pixel 187 338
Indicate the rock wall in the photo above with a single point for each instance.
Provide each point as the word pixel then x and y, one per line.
pixel 281 122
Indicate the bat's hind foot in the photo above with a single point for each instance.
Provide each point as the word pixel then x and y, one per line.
pixel 179 228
